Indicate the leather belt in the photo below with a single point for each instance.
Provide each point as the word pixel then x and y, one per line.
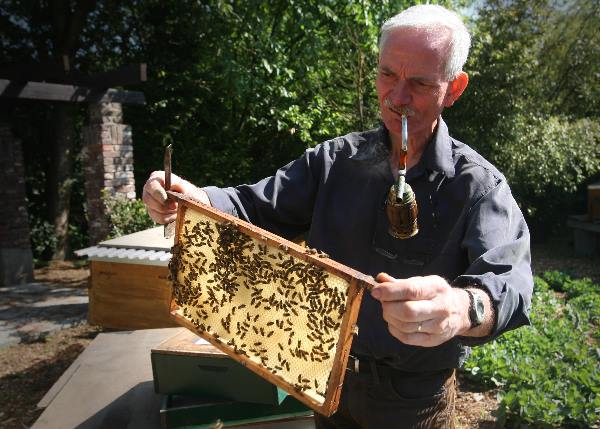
pixel 365 366
pixel 353 364
pixel 358 365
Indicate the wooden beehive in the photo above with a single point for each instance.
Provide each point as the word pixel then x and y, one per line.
pixel 594 201
pixel 189 366
pixel 286 312
pixel 129 284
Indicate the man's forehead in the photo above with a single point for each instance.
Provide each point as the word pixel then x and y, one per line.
pixel 434 39
pixel 422 49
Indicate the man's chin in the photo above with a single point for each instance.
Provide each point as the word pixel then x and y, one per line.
pixel 393 125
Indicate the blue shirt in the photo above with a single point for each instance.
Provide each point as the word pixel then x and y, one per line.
pixel 471 231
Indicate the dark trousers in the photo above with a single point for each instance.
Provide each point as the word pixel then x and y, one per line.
pixel 394 399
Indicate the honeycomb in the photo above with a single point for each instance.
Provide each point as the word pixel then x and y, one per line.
pixel 260 301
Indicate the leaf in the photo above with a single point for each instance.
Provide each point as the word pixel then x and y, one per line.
pixel 267 66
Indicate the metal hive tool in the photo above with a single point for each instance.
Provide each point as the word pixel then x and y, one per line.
pixel 286 312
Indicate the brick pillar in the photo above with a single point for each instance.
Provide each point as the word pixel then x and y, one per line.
pixel 108 163
pixel 16 260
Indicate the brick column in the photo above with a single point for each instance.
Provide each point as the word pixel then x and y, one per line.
pixel 16 260
pixel 108 163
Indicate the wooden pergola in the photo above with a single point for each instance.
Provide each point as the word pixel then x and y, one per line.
pixel 107 146
pixel 50 82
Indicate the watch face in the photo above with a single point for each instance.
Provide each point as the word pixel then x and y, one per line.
pixel 479 308
pixel 476 309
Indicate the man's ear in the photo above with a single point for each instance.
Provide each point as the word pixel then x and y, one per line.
pixel 456 88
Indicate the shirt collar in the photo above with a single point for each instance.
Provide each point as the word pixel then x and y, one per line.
pixel 375 148
pixel 438 153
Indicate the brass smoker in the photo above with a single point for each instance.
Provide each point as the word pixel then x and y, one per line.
pixel 401 204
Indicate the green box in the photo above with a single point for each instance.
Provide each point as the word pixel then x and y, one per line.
pixel 179 412
pixel 180 366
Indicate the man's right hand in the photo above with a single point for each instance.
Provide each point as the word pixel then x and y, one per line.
pixel 160 209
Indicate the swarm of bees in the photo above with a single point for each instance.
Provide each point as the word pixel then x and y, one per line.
pixel 259 300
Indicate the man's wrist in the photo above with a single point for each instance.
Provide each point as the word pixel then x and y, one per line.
pixel 200 195
pixel 487 324
pixel 194 192
pixel 463 297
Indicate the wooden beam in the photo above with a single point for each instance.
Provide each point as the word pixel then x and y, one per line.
pixel 52 71
pixel 46 71
pixel 67 93
pixel 36 71
pixel 128 75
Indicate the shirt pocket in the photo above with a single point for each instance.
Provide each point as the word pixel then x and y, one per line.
pixel 400 258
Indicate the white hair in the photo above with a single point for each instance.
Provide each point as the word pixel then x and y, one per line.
pixel 431 18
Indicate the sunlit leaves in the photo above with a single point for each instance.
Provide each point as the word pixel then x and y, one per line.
pixel 532 105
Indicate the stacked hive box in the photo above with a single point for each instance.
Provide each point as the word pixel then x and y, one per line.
pixel 203 385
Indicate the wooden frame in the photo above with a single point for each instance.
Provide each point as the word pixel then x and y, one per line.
pixel 357 283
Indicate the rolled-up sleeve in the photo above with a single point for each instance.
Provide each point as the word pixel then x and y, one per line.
pixel 497 243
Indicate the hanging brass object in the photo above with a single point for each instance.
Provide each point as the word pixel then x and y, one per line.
pixel 401 204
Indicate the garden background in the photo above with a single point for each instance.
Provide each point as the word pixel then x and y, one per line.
pixel 242 87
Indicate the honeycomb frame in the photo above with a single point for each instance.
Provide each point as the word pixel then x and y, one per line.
pixel 257 297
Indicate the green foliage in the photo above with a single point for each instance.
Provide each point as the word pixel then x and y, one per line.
pixel 242 87
pixel 43 240
pixel 548 373
pixel 546 160
pixel 583 295
pixel 126 216
pixel 532 104
pixel 562 282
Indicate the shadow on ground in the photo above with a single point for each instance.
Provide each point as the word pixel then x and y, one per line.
pixel 21 391
pixel 30 312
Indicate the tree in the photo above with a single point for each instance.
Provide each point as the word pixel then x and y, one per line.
pixel 45 32
pixel 241 88
pixel 531 105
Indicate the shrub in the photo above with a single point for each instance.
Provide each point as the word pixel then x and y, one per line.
pixel 562 282
pixel 548 373
pixel 43 240
pixel 546 160
pixel 126 216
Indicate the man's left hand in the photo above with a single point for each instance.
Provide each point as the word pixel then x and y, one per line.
pixel 422 311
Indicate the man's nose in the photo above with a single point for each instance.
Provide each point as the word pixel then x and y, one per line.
pixel 400 95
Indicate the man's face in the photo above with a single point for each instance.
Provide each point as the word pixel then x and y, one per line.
pixel 411 76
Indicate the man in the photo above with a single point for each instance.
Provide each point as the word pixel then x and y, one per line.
pixel 464 279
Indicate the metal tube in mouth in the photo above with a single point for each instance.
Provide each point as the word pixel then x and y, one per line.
pixel 404 133
pixel 402 170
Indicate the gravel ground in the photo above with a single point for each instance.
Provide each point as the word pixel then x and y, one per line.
pixel 28 370
pixel 557 255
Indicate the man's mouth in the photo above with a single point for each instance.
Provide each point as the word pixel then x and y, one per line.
pixel 398 109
